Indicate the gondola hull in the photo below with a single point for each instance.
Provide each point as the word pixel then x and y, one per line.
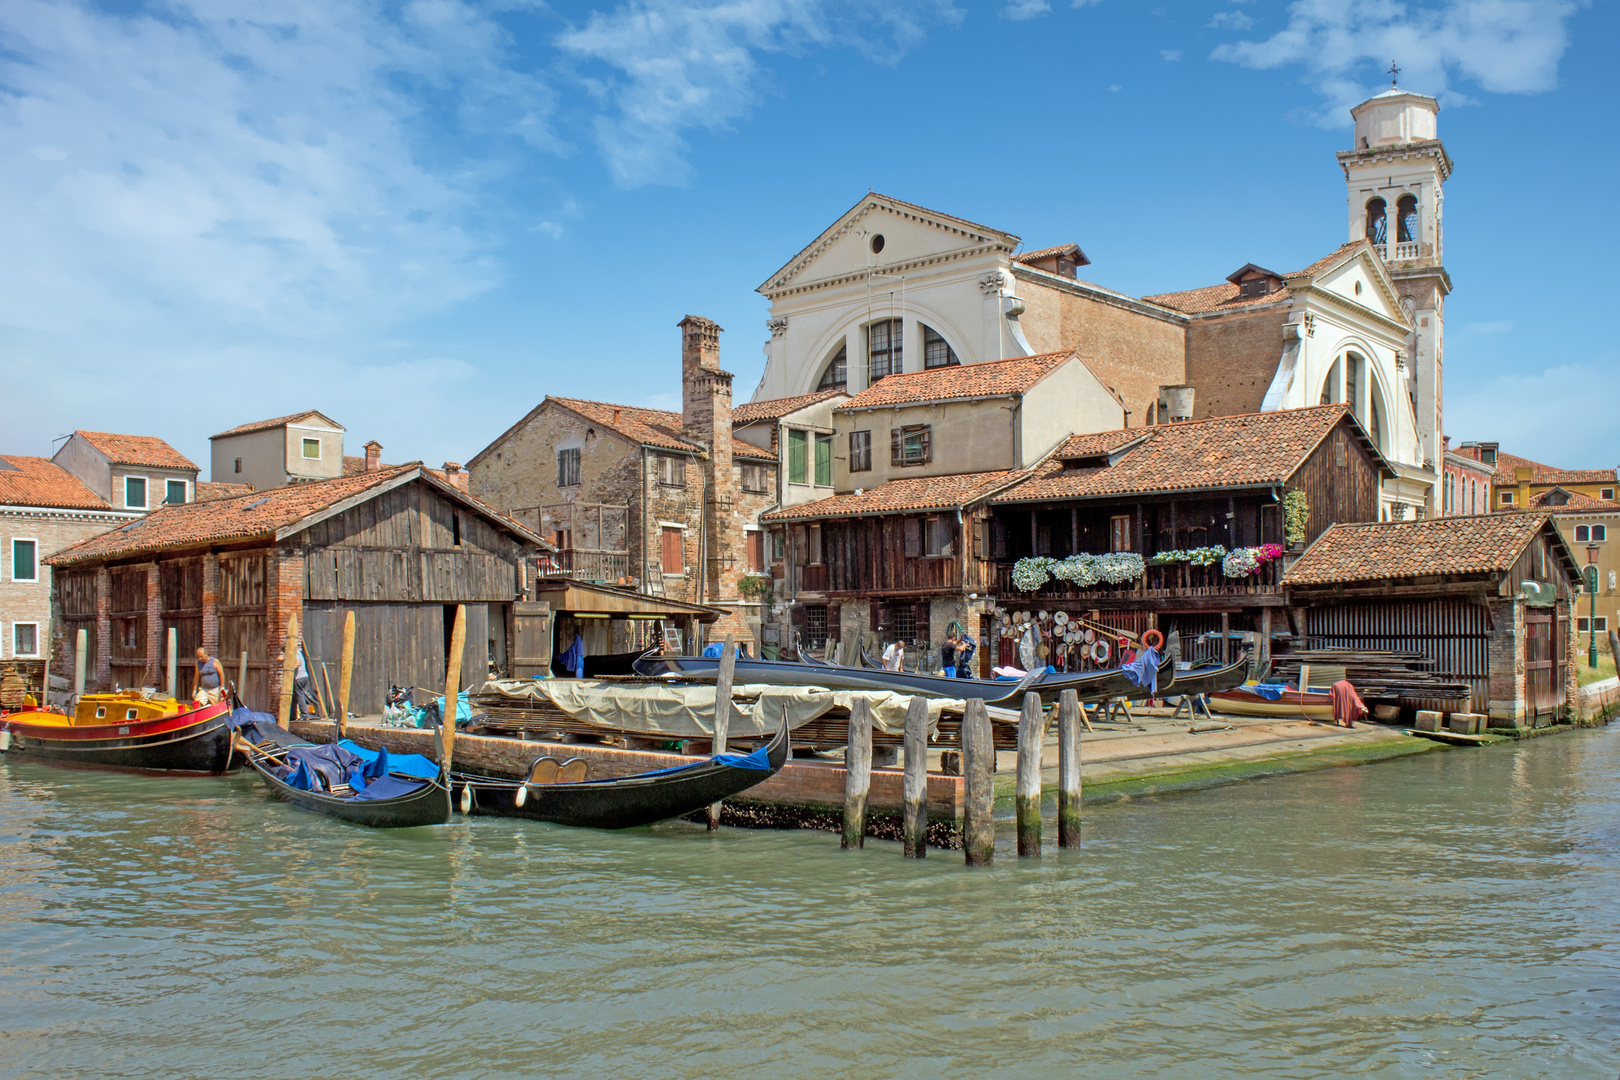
pixel 1291 705
pixel 1212 681
pixel 197 741
pixel 630 801
pixel 430 805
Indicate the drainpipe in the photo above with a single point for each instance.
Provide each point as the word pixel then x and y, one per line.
pixel 646 586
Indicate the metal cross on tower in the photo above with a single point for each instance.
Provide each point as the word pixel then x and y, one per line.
pixel 1394 72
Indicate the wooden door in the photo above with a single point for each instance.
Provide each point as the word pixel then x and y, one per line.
pixel 1544 690
pixel 531 639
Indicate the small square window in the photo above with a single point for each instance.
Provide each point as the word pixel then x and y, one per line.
pixel 1507 498
pixel 671 470
pixel 312 448
pixel 24 560
pixel 135 493
pixel 1606 493
pixel 174 492
pixel 25 639
pixel 568 467
pixel 860 451
pixel 238 464
pixel 1582 534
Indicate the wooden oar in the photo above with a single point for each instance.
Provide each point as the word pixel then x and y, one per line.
pixel 289 667
pixel 452 692
pixel 345 674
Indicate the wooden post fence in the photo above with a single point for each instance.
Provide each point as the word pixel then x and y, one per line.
pixel 722 713
pixel 979 772
pixel 916 786
pixel 1027 800
pixel 1069 717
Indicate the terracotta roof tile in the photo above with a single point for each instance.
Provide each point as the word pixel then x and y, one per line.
pixel 136 450
pixel 1101 442
pixel 207 489
pixel 354 466
pixel 1577 503
pixel 913 493
pixel 275 422
pixel 1250 450
pixel 1507 466
pixel 993 378
pixel 1071 250
pixel 1373 551
pixel 775 408
pixel 37 481
pixel 652 427
pixel 1226 295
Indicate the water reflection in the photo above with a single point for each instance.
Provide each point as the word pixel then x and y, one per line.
pixel 1443 915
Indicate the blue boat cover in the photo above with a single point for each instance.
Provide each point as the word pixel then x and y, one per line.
pixel 1269 691
pixel 758 760
pixel 381 762
pixel 1144 670
pixel 387 787
pixel 321 768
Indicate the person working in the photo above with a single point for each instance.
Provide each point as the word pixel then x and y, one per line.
pixel 965 648
pixel 208 685
pixel 894 657
pixel 947 655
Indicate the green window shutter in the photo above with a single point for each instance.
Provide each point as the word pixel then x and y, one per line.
pixel 824 460
pixel 797 471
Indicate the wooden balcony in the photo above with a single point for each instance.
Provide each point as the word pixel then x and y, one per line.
pixel 584 564
pixel 1178 585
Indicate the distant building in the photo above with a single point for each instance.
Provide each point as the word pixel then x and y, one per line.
pixel 129 472
pixel 1465 483
pixel 1516 481
pixel 268 454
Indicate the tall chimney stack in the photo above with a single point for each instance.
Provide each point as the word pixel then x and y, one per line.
pixel 706 419
pixel 373 456
pixel 454 476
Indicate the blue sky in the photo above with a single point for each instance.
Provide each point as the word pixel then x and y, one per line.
pixel 421 218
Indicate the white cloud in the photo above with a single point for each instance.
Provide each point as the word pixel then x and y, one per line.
pixel 1114 88
pixel 1229 20
pixel 1083 3
pixel 1020 10
pixel 1530 415
pixel 1170 56
pixel 672 67
pixel 1502 46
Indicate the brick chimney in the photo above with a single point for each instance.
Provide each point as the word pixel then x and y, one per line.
pixel 373 456
pixel 706 419
pixel 453 473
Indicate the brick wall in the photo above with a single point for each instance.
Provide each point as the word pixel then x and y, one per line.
pixel 1232 360
pixel 284 597
pixel 1506 688
pixel 30 602
pixel 210 601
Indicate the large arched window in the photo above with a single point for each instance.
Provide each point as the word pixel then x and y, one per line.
pixel 1375 416
pixel 1330 385
pixel 883 350
pixel 836 377
pixel 1406 219
pixel 937 352
pixel 1377 220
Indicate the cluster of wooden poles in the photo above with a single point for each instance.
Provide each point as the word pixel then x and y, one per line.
pixel 978 771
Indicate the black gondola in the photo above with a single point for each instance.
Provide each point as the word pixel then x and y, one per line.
pixel 392 800
pixel 1090 686
pixel 628 801
pixel 1211 680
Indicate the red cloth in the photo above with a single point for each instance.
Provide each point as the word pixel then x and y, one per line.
pixel 1347 705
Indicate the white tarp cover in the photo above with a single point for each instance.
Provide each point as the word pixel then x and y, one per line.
pixel 686 710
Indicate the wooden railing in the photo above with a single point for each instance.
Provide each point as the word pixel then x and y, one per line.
pixel 1174 580
pixel 583 564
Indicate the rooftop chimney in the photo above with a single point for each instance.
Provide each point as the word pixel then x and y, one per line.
pixel 453 473
pixel 706 419
pixel 373 456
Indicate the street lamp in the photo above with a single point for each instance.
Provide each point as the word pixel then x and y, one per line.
pixel 1591 622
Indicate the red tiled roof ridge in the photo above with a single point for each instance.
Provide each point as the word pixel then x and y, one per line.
pixel 1046 252
pixel 1466 544
pixel 894 389
pixel 149 450
pixel 906 494
pixel 1205 298
pixel 38 481
pixel 274 422
pixel 750 412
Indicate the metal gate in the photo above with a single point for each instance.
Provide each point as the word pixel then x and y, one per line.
pixel 1454 634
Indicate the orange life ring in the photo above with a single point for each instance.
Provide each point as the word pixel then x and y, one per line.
pixel 1153 639
pixel 1099 651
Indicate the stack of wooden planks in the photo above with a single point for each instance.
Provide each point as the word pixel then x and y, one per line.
pixel 1397 678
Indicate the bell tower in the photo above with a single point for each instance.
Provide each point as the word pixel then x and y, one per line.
pixel 1395 176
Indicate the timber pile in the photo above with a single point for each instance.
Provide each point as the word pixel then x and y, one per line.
pixel 1395 678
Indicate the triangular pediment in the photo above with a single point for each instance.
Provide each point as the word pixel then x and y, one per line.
pixel 909 234
pixel 1359 277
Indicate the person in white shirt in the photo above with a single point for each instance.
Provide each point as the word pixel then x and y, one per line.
pixel 894 657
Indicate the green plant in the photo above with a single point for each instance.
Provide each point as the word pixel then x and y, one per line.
pixel 1295 512
pixel 755 586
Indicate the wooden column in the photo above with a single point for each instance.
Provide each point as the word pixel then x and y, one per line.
pixel 346 674
pixel 1069 717
pixel 452 691
pixel 1263 655
pixel 80 644
pixel 915 832
pixel 1031 736
pixel 857 773
pixel 979 770
pixel 241 674
pixel 722 713
pixel 1226 645
pixel 289 668
pixel 172 655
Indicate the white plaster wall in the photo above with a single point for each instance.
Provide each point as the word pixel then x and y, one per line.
pixel 1069 401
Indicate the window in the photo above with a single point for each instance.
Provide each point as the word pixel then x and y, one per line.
pixel 1119 530
pixel 860 451
pixel 814 533
pixel 778 544
pixel 939 532
pixel 1506 498
pixel 1352 381
pixel 1606 494
pixel 883 349
pixel 1377 220
pixel 756 479
pixel 174 492
pixel 671 470
pixel 312 448
pixel 25 639
pixel 24 560
pixel 836 377
pixel 824 460
pixel 1581 624
pixel 674 550
pixel 815 625
pixel 135 492
pixel 1600 534
pixel 1406 219
pixel 903 622
pixel 238 464
pixel 798 453
pixel 568 467
pixel 937 351
pixel 455 530
pixel 911 445
pixel 1583 533
pixel 1330 385
pixel 756 551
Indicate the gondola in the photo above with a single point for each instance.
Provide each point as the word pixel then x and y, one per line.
pixel 625 802
pixel 343 780
pixel 812 660
pixel 1090 686
pixel 127 731
pixel 1273 700
pixel 1213 679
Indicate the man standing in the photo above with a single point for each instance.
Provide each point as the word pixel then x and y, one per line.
pixel 947 655
pixel 965 647
pixel 208 685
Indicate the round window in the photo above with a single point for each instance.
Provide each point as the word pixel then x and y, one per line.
pixel 1358 288
pixel 877 243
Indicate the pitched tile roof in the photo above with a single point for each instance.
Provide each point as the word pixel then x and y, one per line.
pixel 993 378
pixel 1576 504
pixel 1098 443
pixel 1507 466
pixel 913 493
pixel 651 427
pixel 354 466
pixel 209 489
pixel 275 422
pixel 1249 450
pixel 136 450
pixel 1071 250
pixel 249 516
pixel 1373 551
pixel 1227 295
pixel 775 408
pixel 37 481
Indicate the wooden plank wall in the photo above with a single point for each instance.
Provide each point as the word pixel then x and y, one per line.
pixel 1455 634
pixel 241 609
pixel 396 643
pixel 1340 483
pixel 76 592
pixel 128 613
pixel 180 583
pixel 869 555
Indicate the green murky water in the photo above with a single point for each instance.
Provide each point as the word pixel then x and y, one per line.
pixel 1449 915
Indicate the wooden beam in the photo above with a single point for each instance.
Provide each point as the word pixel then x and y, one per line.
pixel 346 674
pixel 289 668
pixel 915 832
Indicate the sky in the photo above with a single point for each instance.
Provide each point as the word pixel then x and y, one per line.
pixel 420 218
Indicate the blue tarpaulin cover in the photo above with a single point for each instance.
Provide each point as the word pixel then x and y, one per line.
pixel 379 762
pixel 1144 670
pixel 759 759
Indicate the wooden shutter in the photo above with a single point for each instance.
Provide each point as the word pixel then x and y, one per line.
pixel 913 542
pixel 927 438
pixel 897 446
pixel 674 556
pixel 756 551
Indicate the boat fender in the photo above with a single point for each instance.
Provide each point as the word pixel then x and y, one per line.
pixel 5 740
pixel 522 795
pixel 466 798
pixel 1153 639
pixel 1100 651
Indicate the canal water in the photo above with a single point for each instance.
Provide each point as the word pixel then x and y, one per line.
pixel 1449 915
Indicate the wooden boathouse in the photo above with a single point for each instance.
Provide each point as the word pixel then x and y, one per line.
pixel 400 547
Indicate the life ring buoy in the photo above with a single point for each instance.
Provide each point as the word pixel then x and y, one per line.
pixel 1100 651
pixel 1154 639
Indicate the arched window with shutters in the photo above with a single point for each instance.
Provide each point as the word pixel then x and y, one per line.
pixel 937 352
pixel 1377 220
pixel 836 374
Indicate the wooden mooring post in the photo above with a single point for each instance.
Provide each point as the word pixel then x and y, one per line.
pixel 346 674
pixel 81 649
pixel 173 653
pixel 722 712
pixel 857 773
pixel 979 772
pixel 289 668
pixel 452 691
pixel 241 674
pixel 1027 799
pixel 1070 716
pixel 915 827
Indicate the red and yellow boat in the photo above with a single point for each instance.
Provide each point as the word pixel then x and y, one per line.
pixel 130 730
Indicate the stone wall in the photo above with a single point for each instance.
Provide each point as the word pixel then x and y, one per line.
pixel 1232 360
pixel 1506 688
